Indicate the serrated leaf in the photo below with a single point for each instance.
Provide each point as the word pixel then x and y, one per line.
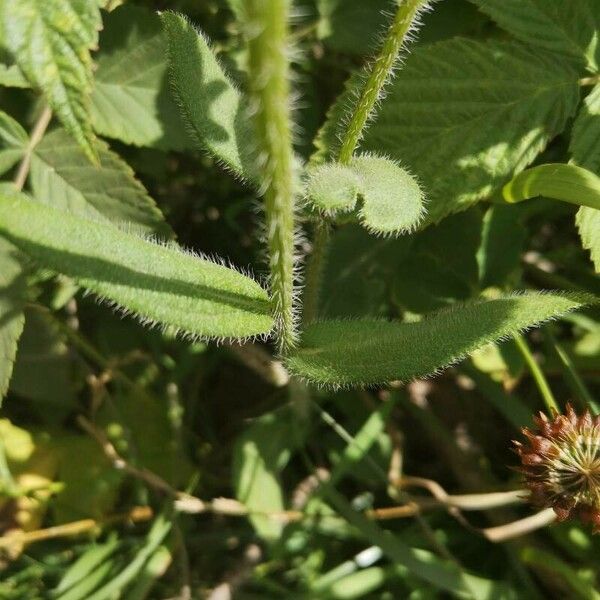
pixel 12 76
pixel 371 352
pixel 588 223
pixel 568 183
pixel 13 141
pixel 569 28
pixel 131 100
pixel 160 284
pixel 465 115
pixel 392 201
pixel 211 106
pixel 585 150
pixel 12 300
pixel 62 177
pixel 51 42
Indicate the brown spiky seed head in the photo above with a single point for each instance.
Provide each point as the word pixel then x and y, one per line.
pixel 560 461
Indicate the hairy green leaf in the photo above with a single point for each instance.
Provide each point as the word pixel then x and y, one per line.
pixel 569 183
pixel 12 300
pixel 392 201
pixel 586 153
pixel 210 104
pixel 13 141
pixel 51 42
pixel 161 284
pixel 333 188
pixel 371 352
pixel 392 198
pixel 569 28
pixel 464 115
pixel 131 100
pixel 62 177
pixel 12 76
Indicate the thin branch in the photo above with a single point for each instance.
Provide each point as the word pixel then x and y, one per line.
pixel 37 133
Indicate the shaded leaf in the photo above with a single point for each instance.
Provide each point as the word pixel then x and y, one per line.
pixel 13 141
pixel 211 106
pixel 159 283
pixel 568 28
pixel 260 454
pixel 51 42
pixel 12 300
pixel 464 115
pixel 131 100
pixel 62 177
pixel 370 352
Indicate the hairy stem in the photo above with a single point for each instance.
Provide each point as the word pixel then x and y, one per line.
pixel 378 74
pixel 314 271
pixel 269 82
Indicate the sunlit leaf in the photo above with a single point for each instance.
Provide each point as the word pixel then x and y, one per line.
pixel 161 284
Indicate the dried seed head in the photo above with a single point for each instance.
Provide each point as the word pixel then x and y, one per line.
pixel 561 465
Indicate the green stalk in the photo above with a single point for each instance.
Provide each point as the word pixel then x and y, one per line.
pixel 538 375
pixel 378 74
pixel 269 77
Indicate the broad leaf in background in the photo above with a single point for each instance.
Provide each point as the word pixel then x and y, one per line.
pixel 260 455
pixel 463 116
pixel 161 284
pixel 371 352
pixel 131 100
pixel 211 106
pixel 62 177
pixel 51 42
pixel 352 25
pixel 13 141
pixel 569 28
pixel 585 150
pixel 568 183
pixel 12 300
pixel 46 371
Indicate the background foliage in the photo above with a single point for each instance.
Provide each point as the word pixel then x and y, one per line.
pixel 170 466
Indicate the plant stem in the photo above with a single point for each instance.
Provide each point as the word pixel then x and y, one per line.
pixel 378 74
pixel 538 375
pixel 269 78
pixel 37 133
pixel 314 271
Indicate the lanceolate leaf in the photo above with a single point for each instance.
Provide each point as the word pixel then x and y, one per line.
pixel 211 106
pixel 568 28
pixel 51 42
pixel 559 181
pixel 131 100
pixel 586 153
pixel 464 115
pixel 13 140
pixel 12 299
pixel 62 177
pixel 160 284
pixel 371 352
